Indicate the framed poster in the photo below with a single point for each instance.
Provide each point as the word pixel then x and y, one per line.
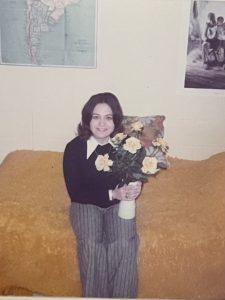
pixel 48 32
pixel 205 63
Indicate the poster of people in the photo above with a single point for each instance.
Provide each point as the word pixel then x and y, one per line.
pixel 205 65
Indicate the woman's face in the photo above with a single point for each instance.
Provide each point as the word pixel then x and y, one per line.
pixel 102 124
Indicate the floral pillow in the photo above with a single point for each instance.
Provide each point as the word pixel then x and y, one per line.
pixel 152 136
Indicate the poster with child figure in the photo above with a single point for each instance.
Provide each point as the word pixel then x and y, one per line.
pixel 205 64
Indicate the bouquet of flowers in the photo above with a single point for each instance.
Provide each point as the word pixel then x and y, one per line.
pixel 130 162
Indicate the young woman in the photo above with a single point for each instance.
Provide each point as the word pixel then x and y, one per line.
pixel 106 244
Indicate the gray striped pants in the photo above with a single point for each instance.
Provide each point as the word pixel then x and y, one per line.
pixel 107 250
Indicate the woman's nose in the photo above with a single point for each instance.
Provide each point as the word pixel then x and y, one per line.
pixel 102 121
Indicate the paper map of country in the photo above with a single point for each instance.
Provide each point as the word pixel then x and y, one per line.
pixel 48 32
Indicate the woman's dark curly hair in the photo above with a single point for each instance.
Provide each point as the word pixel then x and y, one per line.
pixel 87 111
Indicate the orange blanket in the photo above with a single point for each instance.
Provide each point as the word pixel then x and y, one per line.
pixel 181 223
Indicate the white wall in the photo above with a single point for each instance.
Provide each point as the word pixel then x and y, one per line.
pixel 141 48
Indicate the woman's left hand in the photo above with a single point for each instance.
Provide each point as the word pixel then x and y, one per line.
pixel 127 192
pixel 133 190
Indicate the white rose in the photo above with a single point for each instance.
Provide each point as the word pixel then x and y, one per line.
pixel 117 139
pixel 137 126
pixel 161 143
pixel 103 163
pixel 149 165
pixel 132 145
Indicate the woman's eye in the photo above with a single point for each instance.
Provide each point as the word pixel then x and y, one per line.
pixel 109 118
pixel 94 117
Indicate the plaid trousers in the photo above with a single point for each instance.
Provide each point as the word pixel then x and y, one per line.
pixel 107 250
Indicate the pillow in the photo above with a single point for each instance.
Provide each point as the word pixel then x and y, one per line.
pixel 153 129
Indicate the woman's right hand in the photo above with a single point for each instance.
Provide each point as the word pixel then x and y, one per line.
pixel 127 192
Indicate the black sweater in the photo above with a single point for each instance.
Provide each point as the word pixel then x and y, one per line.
pixel 85 184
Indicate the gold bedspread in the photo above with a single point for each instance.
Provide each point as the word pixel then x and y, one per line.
pixel 180 218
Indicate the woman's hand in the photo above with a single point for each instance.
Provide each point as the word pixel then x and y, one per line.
pixel 127 192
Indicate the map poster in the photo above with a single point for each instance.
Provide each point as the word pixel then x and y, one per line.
pixel 48 33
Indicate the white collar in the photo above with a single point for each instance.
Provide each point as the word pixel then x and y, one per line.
pixel 92 145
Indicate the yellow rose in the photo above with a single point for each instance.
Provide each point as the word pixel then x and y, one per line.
pixel 149 165
pixel 132 145
pixel 103 163
pixel 161 143
pixel 137 126
pixel 118 138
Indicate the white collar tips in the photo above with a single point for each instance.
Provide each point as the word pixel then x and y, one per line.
pixel 92 144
